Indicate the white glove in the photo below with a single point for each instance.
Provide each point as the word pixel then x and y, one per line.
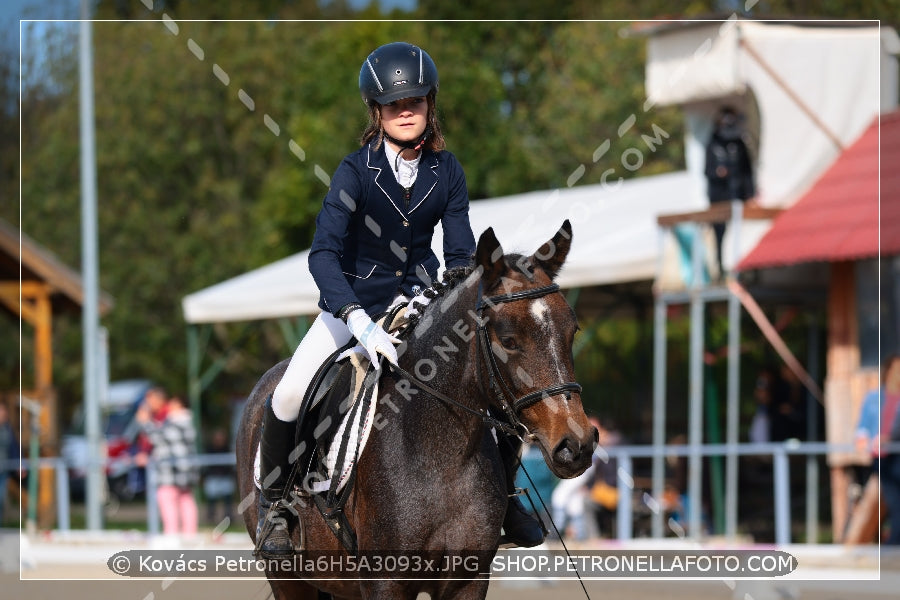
pixel 373 338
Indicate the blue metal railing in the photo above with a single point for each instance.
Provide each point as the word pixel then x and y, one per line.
pixel 625 455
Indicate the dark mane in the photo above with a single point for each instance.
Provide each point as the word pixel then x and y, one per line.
pixel 453 277
pixel 449 281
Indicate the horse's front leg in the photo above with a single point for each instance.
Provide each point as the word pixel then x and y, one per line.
pixel 455 589
pixel 385 589
pixel 293 589
pixel 462 589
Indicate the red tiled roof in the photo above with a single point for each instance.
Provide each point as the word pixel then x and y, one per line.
pixel 838 218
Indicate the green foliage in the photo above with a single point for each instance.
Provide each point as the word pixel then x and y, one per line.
pixel 195 187
pixel 888 11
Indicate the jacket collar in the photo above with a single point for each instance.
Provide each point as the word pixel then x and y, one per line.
pixel 426 179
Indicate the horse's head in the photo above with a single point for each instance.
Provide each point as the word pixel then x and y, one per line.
pixel 529 328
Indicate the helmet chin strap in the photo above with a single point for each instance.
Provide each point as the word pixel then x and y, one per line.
pixel 410 145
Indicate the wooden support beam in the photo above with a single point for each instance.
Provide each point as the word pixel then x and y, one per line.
pixel 20 297
pixel 43 342
pixel 842 362
pixel 31 301
pixel 771 334
pixel 787 89
pixel 718 212
pixel 9 296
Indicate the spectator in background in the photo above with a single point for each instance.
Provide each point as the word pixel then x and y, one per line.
pixel 604 486
pixel 574 500
pixel 729 171
pixel 788 410
pixel 780 406
pixel 156 402
pixel 173 448
pixel 677 499
pixel 9 450
pixel 675 493
pixel 879 425
pixel 761 426
pixel 569 501
pixel 219 479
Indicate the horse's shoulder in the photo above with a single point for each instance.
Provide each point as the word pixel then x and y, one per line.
pixel 276 371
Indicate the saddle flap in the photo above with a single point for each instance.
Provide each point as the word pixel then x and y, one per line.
pixel 333 403
pixel 335 374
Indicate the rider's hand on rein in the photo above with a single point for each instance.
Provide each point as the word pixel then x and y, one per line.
pixel 373 338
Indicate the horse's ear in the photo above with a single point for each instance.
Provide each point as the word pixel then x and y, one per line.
pixel 489 256
pixel 551 256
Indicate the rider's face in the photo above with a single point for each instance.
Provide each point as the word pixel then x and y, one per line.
pixel 405 119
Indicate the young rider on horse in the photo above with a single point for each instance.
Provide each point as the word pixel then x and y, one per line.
pixel 372 248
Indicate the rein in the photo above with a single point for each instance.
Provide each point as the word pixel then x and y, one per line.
pixel 507 399
pixel 504 395
pixel 488 419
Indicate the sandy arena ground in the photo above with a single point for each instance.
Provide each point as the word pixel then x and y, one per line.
pixel 73 566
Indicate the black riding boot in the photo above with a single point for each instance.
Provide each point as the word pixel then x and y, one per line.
pixel 519 526
pixel 276 443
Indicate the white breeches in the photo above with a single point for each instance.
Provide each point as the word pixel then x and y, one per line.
pixel 326 335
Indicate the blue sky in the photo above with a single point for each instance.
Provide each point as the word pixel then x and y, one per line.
pixel 13 10
pixel 386 4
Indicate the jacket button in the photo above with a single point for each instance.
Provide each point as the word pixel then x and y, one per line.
pixel 398 273
pixel 406 223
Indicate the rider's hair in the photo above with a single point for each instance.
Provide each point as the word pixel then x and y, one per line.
pixel 374 131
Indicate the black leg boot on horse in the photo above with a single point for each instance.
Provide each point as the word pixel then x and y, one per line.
pixel 273 537
pixel 519 526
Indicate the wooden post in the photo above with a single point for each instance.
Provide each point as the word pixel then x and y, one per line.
pixel 31 301
pixel 842 363
pixel 865 523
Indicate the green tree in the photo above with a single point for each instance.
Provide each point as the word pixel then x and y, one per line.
pixel 206 172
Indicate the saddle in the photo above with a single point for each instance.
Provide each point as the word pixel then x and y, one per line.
pixel 335 418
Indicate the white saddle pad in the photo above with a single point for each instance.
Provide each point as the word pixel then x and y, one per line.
pixel 360 427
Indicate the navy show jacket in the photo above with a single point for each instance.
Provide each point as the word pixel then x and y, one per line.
pixel 369 245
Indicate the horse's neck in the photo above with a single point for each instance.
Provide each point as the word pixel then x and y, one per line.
pixel 442 348
pixel 444 356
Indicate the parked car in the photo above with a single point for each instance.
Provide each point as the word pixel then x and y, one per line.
pixel 122 440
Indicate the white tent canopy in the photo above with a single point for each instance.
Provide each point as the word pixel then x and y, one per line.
pixel 831 72
pixel 615 240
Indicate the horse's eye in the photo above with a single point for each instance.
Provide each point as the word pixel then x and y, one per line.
pixel 509 342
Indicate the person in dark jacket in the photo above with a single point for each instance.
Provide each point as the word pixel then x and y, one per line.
pixel 729 170
pixel 371 249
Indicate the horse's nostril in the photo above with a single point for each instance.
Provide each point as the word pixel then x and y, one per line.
pixel 567 451
pixel 596 437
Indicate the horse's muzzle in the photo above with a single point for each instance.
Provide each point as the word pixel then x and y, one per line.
pixel 572 456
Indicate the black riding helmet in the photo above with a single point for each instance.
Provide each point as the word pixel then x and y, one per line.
pixel 395 71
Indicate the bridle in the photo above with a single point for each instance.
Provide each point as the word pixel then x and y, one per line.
pixel 503 394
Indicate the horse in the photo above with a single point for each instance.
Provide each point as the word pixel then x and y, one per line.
pixel 497 341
